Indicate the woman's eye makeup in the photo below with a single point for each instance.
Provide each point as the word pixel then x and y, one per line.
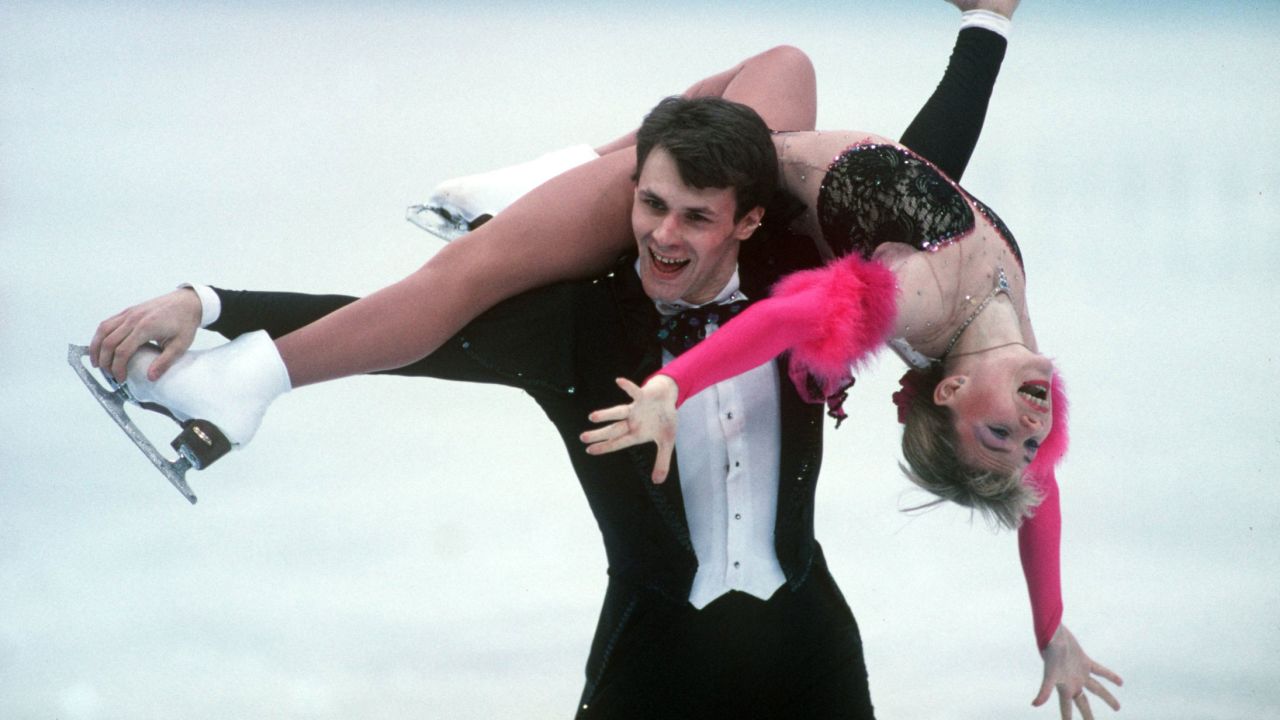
pixel 999 432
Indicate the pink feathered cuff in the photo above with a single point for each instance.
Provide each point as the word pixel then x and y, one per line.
pixel 1054 446
pixel 860 307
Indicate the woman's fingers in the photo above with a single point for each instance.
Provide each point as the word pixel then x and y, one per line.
pixel 1046 689
pixel 1097 669
pixel 1082 702
pixel 662 463
pixel 617 412
pixel 628 387
pixel 1101 691
pixel 602 447
pixel 650 417
pixel 612 431
pixel 1064 705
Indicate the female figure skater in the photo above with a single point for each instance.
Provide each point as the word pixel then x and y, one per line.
pixel 523 247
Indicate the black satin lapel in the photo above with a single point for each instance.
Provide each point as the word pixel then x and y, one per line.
pixel 667 498
pixel 639 317
pixel 799 458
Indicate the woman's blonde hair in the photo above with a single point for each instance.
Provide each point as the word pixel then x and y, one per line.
pixel 929 446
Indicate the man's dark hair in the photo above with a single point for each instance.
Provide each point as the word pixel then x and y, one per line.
pixel 716 143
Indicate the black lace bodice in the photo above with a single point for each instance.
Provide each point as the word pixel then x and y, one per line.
pixel 878 193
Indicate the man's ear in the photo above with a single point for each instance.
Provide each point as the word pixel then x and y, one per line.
pixel 748 223
pixel 944 393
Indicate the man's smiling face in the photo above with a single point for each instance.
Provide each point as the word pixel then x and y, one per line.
pixel 687 237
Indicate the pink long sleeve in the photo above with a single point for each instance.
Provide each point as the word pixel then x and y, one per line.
pixel 829 318
pixel 1039 541
pixel 1040 537
pixel 758 334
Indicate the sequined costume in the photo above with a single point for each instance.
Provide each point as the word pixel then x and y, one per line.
pixel 832 317
pixel 879 192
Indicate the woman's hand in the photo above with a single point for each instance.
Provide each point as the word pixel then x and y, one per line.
pixel 651 417
pixel 1000 7
pixel 1067 668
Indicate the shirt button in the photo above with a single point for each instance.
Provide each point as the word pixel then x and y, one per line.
pixel 737 564
pixel 737 516
pixel 728 416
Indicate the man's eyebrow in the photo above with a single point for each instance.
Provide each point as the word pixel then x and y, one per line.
pixel 706 210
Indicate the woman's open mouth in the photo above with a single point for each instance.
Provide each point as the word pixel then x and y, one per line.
pixel 1035 394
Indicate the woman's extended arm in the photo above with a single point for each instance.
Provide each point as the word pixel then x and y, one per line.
pixel 829 319
pixel 1039 540
pixel 946 129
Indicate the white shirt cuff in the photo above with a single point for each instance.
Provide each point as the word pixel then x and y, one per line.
pixel 987 20
pixel 210 303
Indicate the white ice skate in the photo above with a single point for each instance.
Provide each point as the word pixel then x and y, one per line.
pixel 463 204
pixel 217 396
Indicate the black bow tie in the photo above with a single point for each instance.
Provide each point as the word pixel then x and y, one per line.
pixel 687 328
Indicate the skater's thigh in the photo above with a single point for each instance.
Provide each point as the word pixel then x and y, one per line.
pixel 574 225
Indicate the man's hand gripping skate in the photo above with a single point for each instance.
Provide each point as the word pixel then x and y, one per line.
pixel 218 396
pixel 169 321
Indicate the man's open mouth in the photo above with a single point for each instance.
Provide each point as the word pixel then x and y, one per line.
pixel 666 265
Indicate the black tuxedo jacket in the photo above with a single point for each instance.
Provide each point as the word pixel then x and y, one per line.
pixel 564 345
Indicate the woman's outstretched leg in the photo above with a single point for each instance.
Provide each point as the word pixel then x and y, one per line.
pixel 777 83
pixel 572 226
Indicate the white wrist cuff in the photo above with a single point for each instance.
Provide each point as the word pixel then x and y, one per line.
pixel 987 20
pixel 210 303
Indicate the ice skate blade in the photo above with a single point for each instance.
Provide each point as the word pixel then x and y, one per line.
pixel 437 220
pixel 113 402
pixel 445 222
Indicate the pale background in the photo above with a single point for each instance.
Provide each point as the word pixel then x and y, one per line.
pixel 390 548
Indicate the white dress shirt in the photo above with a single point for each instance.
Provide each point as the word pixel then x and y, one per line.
pixel 727 451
